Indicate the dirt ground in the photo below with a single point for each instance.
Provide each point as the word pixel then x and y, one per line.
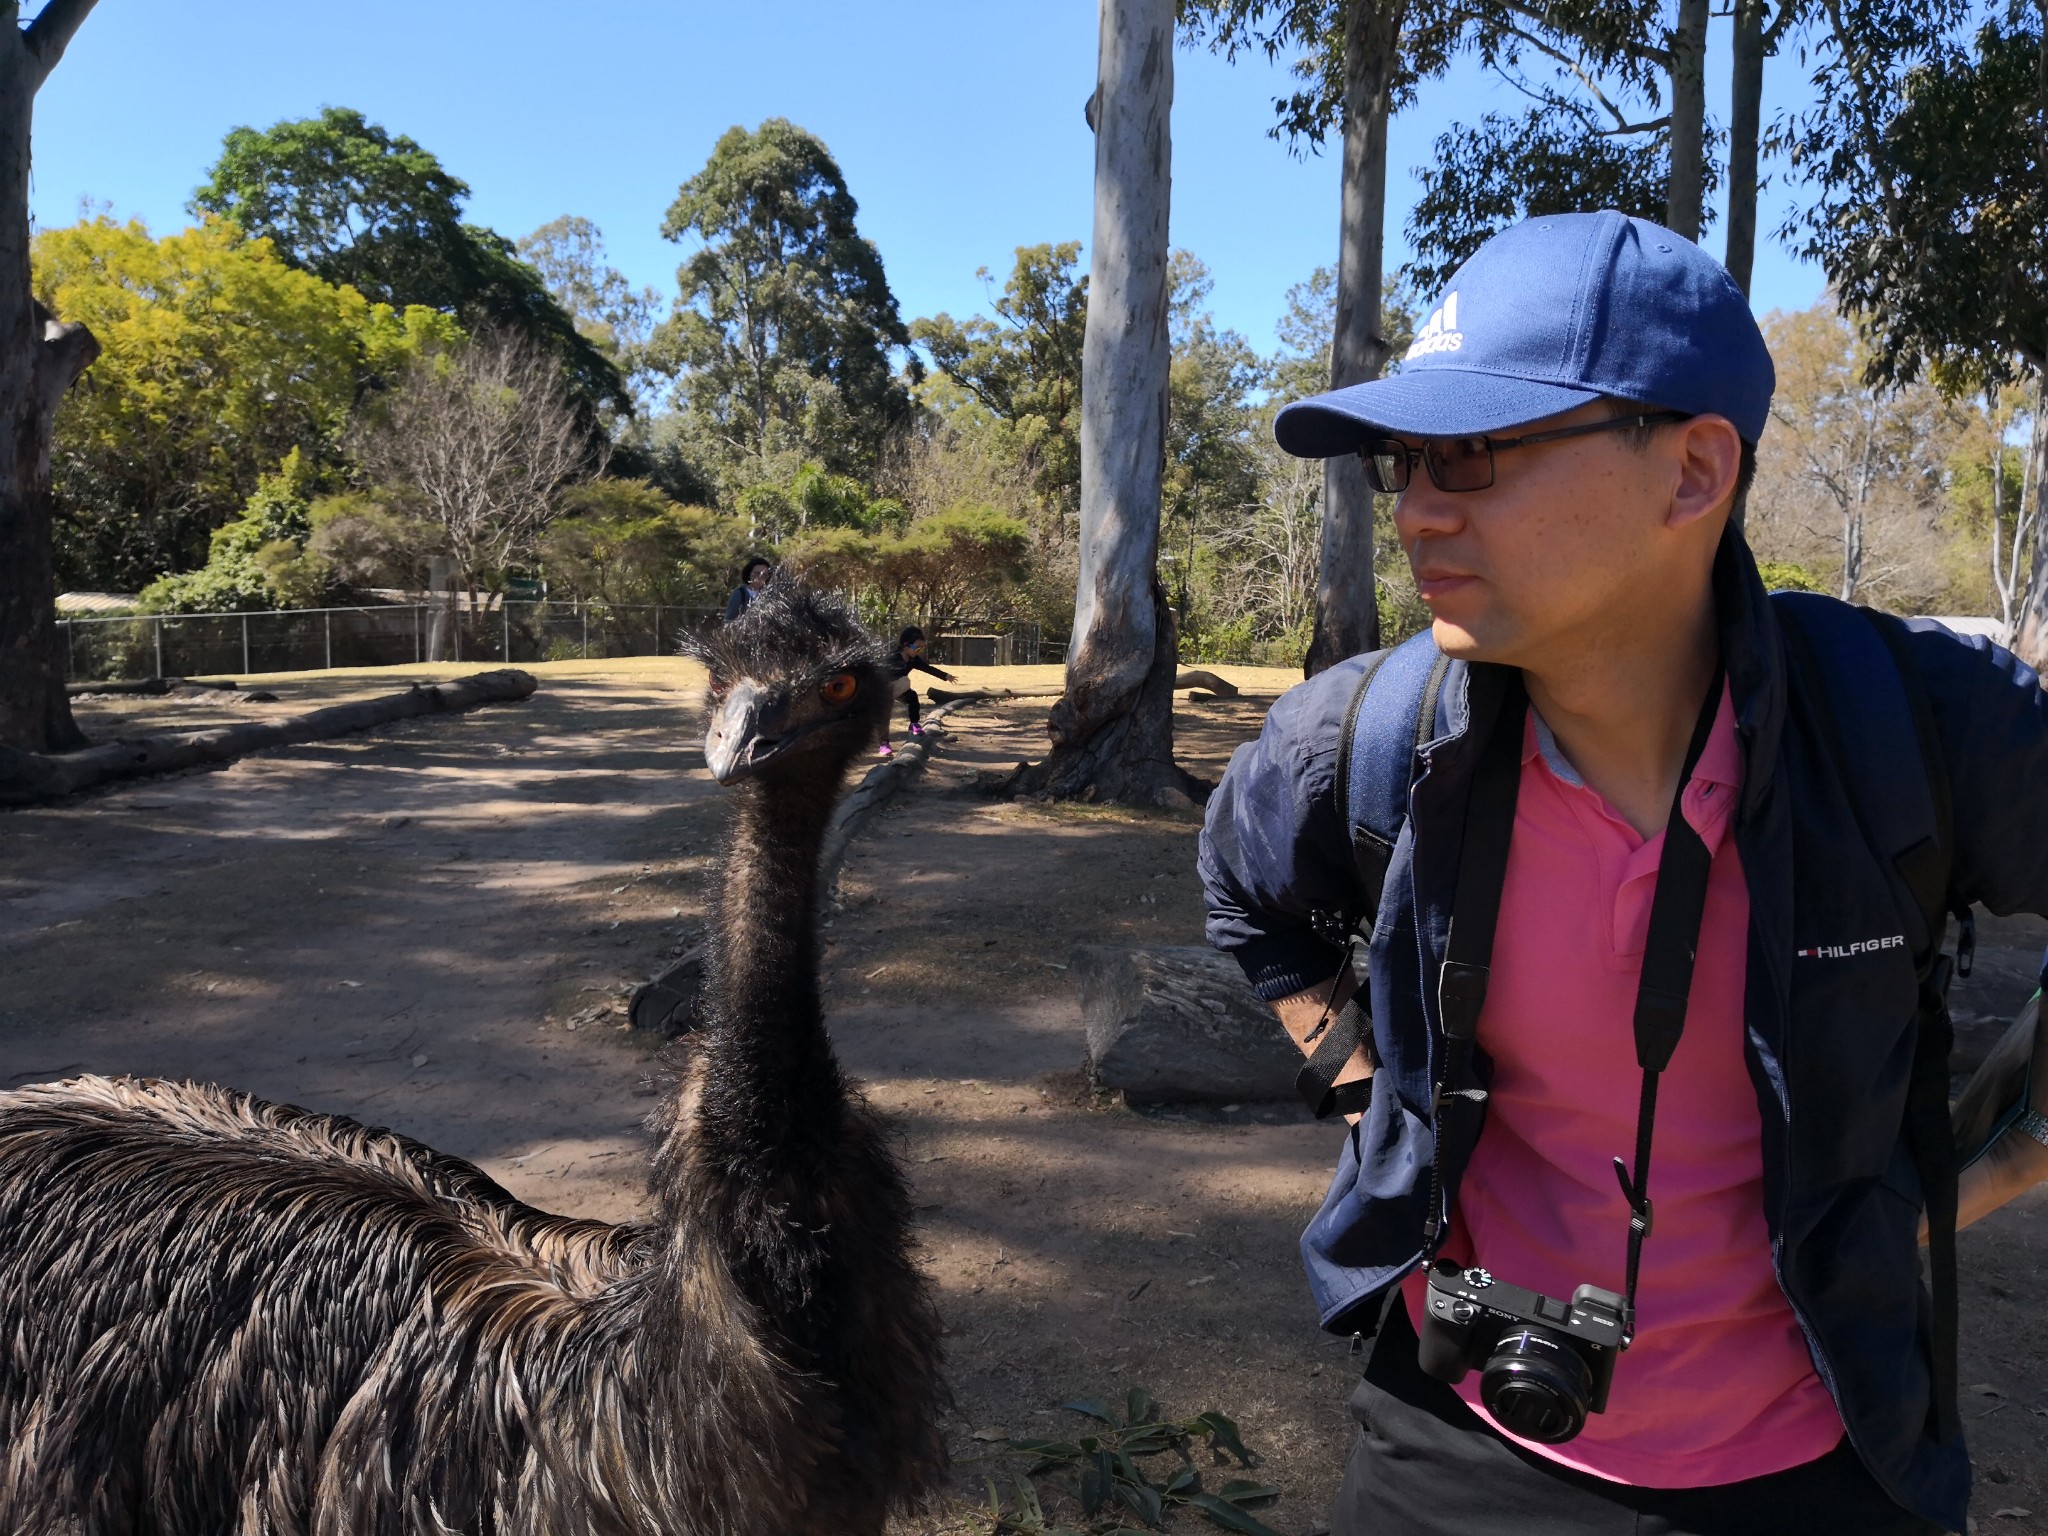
pixel 433 926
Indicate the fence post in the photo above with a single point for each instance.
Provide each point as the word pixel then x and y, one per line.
pixel 585 606
pixel 657 629
pixel 70 651
pixel 245 645
pixel 327 635
pixel 419 653
pixel 159 645
pixel 505 608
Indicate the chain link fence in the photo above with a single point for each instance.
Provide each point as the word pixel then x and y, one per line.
pixel 132 647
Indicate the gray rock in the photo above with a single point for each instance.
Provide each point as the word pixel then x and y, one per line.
pixel 1179 1025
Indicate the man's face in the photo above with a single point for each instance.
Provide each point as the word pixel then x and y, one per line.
pixel 1570 540
pixel 758 577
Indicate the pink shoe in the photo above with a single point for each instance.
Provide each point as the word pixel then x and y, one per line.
pixel 916 729
pixel 885 750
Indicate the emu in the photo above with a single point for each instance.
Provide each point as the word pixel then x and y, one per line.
pixel 219 1314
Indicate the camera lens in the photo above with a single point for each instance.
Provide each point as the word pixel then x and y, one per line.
pixel 1537 1386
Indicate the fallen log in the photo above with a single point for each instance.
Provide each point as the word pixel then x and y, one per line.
pixel 27 777
pixel 1180 1025
pixel 1218 687
pixel 150 687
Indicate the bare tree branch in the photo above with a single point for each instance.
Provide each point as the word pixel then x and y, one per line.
pixel 50 34
pixel 67 351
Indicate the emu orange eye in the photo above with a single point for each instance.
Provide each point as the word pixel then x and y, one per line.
pixel 840 689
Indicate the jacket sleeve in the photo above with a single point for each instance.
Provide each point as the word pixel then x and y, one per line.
pixel 922 665
pixel 1274 852
pixel 1992 717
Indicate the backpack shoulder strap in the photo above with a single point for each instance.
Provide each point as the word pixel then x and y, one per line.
pixel 1376 759
pixel 1375 767
pixel 1903 801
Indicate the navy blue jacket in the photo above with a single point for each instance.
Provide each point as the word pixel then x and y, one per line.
pixel 1829 1041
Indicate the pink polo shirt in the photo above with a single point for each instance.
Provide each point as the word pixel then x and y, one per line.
pixel 1718 1385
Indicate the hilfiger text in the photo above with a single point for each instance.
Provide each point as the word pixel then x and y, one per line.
pixel 1845 951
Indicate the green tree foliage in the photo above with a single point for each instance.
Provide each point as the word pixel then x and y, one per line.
pixel 782 336
pixel 219 360
pixel 1482 179
pixel 1020 371
pixel 1597 133
pixel 961 561
pixel 1930 212
pixel 1211 428
pixel 349 202
pixel 623 541
pixel 608 311
pixel 1312 32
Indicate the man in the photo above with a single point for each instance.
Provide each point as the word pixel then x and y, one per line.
pixel 1571 437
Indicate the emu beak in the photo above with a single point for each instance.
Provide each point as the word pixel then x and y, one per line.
pixel 743 732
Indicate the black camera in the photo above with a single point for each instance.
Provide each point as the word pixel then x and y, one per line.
pixel 1547 1363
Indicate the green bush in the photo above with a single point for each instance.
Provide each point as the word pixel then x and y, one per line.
pixel 258 559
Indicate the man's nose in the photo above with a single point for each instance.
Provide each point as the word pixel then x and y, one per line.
pixel 1422 510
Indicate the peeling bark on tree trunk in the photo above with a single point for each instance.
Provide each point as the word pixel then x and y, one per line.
pixel 1688 119
pixel 2030 640
pixel 1745 121
pixel 1112 733
pixel 39 359
pixel 1347 619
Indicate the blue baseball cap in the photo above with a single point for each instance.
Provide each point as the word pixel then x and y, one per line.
pixel 1557 311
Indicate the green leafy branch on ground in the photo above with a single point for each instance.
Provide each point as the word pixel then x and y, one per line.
pixel 1102 1474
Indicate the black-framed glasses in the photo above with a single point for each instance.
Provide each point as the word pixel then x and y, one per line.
pixel 1466 463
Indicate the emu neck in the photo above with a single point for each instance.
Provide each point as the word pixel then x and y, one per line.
pixel 769 1093
pixel 766 977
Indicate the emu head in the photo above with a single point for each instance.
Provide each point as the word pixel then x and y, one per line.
pixel 797 689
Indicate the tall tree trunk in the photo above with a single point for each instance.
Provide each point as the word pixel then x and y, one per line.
pixel 2030 641
pixel 1682 209
pixel 1112 732
pixel 1347 617
pixel 1745 121
pixel 39 359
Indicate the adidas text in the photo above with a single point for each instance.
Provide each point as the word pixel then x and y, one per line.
pixel 1439 333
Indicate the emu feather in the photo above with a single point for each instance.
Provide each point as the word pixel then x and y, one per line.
pixel 218 1314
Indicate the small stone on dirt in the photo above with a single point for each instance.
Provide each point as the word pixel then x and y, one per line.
pixel 419 1061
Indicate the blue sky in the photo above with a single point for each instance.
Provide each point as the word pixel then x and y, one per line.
pixel 958 124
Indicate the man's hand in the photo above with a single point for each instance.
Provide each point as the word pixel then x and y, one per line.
pixel 1301 1013
pixel 2015 1162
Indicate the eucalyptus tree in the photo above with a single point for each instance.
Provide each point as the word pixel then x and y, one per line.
pixel 1358 62
pixel 1617 119
pixel 1929 211
pixel 783 335
pixel 1112 731
pixel 1021 366
pixel 41 356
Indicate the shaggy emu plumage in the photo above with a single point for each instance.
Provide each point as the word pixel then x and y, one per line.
pixel 222 1315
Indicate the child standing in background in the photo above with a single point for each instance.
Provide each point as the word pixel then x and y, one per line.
pixel 909 658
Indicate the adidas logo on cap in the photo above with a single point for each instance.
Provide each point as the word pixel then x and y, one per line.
pixel 1441 333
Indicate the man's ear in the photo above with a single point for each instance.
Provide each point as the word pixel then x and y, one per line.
pixel 1709 458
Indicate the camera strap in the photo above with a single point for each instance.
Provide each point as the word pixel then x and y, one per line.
pixel 1676 912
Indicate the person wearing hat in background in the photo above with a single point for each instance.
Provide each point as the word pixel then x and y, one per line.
pixel 1614 721
pixel 909 658
pixel 754 578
